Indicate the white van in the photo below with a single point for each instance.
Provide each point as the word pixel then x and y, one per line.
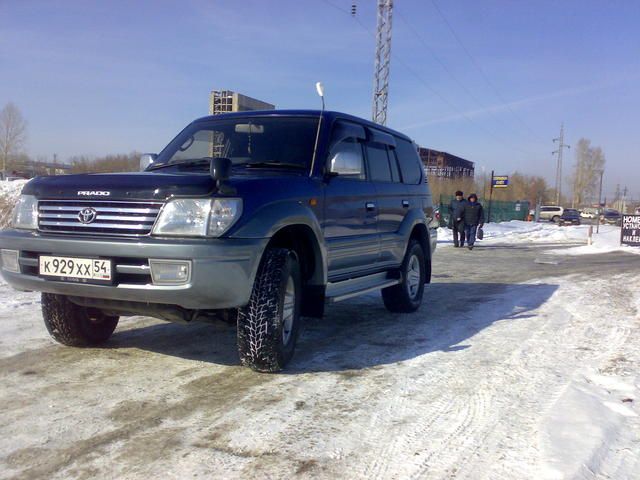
pixel 551 213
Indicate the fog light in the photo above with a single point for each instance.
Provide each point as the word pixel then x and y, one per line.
pixel 10 260
pixel 170 272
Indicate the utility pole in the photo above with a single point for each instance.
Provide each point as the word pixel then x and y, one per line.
pixel 484 184
pixel 382 60
pixel 561 147
pixel 624 200
pixel 490 197
pixel 599 201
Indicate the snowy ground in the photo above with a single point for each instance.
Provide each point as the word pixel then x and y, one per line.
pixel 521 364
pixel 607 239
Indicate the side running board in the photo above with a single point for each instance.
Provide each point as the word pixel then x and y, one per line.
pixel 338 291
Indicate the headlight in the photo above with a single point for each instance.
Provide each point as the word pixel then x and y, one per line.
pixel 25 213
pixel 198 217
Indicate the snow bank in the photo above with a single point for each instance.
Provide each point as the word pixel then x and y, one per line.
pixel 9 193
pixel 516 231
pixel 607 240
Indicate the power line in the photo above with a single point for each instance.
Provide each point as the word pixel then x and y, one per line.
pixel 448 70
pixel 441 97
pixel 480 69
pixel 331 4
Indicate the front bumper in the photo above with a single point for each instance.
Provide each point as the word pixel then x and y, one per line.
pixel 222 272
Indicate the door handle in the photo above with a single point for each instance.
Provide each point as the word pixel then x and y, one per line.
pixel 405 203
pixel 370 206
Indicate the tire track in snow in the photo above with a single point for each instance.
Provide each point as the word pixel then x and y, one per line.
pixel 467 414
pixel 549 388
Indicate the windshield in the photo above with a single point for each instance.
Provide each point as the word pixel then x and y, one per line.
pixel 251 140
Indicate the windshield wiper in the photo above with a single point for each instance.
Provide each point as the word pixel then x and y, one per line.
pixel 189 161
pixel 297 166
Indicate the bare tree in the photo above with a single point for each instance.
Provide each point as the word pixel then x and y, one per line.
pixel 110 163
pixel 13 133
pixel 589 162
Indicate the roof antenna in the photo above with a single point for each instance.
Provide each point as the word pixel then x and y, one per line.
pixel 320 90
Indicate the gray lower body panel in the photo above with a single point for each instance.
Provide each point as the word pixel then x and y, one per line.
pixel 222 273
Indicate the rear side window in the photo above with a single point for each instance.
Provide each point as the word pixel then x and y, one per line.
pixel 410 164
pixel 378 162
pixel 393 163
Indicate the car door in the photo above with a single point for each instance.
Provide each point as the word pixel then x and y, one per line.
pixel 391 196
pixel 350 211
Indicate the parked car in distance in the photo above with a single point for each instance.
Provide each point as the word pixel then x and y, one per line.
pixel 550 213
pixel 589 212
pixel 570 216
pixel 611 216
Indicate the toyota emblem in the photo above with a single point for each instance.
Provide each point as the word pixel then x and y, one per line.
pixel 87 215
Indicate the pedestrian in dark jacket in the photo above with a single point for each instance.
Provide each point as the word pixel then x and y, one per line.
pixel 456 224
pixel 472 215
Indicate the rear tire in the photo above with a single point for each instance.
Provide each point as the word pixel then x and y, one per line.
pixel 268 326
pixel 555 219
pixel 73 325
pixel 406 297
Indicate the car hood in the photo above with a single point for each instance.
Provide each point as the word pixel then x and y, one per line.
pixel 148 185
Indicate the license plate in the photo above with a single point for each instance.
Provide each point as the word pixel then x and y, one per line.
pixel 77 269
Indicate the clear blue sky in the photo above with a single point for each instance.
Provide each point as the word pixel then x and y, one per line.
pixel 114 76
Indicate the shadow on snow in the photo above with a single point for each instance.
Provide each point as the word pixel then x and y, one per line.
pixel 361 333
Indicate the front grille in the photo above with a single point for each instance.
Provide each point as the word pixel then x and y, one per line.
pixel 111 217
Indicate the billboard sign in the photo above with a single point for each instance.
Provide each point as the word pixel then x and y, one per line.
pixel 630 231
pixel 500 181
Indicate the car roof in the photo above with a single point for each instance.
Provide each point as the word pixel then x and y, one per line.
pixel 327 115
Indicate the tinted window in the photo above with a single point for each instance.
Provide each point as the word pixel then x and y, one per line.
pixel 393 163
pixel 378 162
pixel 410 164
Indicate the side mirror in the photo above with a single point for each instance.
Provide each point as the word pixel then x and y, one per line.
pixel 220 169
pixel 147 159
pixel 346 162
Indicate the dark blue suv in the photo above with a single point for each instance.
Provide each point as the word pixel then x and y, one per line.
pixel 255 217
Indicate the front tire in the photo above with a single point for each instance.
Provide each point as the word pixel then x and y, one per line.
pixel 268 326
pixel 73 325
pixel 406 297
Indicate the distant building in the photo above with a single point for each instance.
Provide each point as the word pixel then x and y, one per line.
pixel 443 164
pixel 224 101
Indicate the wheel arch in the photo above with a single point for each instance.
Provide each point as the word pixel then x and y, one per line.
pixel 303 241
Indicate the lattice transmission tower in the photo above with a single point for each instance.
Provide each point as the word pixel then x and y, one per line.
pixel 383 57
pixel 561 147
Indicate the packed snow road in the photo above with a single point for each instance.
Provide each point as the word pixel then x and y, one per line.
pixel 520 364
